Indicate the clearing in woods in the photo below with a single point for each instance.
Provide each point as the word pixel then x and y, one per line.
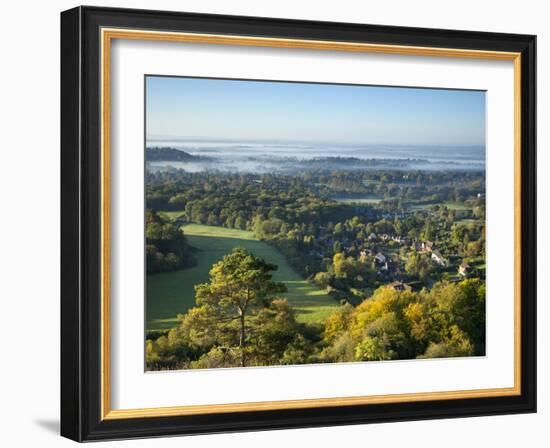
pixel 171 293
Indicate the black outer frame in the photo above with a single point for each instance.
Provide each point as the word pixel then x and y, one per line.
pixel 80 224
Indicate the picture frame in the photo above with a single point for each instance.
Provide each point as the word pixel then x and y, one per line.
pixel 86 238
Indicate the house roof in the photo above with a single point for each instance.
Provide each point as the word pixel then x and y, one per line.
pixel 400 285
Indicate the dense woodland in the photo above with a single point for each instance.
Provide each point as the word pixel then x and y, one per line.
pixel 166 247
pixel 402 252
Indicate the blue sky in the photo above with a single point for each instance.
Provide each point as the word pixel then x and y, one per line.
pixel 252 110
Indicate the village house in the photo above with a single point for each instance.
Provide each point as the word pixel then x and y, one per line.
pixel 386 272
pixel 438 258
pixel 427 246
pixel 380 258
pixel 464 269
pixel 400 286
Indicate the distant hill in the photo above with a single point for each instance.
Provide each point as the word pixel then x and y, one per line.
pixel 170 154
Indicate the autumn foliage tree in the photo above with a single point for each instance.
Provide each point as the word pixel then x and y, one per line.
pixel 446 321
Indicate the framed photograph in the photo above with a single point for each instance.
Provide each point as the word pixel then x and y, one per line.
pixel 273 223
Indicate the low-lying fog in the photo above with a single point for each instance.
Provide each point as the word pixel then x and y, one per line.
pixel 288 156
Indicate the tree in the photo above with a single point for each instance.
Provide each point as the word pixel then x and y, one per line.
pixel 338 322
pixel 212 219
pixel 446 321
pixel 322 279
pixel 166 246
pixel 428 233
pixel 277 339
pixel 417 265
pixel 240 285
pixel 240 223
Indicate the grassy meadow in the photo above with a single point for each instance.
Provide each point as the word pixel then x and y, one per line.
pixel 171 293
pixel 358 200
pixel 457 206
pixel 171 215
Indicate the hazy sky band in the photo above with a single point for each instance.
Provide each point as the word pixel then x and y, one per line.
pixel 267 110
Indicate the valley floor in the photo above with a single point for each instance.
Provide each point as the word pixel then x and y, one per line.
pixel 171 293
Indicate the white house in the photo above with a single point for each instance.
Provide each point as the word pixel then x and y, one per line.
pixel 438 258
pixel 464 269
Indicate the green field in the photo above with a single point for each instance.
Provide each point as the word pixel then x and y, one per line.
pixel 450 205
pixel 171 293
pixel 171 215
pixel 360 200
pixel 456 206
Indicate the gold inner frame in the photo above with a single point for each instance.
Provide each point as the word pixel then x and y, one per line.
pixel 107 35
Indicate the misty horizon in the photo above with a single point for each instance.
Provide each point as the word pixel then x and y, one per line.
pixel 154 139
